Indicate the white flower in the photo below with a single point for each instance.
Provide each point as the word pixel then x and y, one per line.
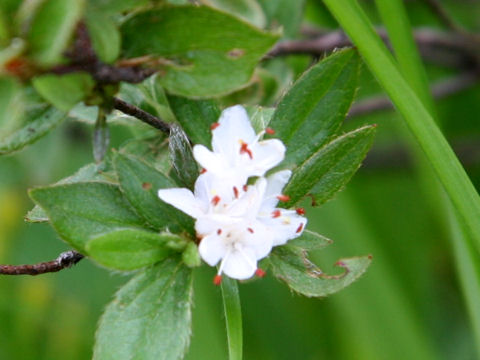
pixel 238 152
pixel 241 231
pixel 238 224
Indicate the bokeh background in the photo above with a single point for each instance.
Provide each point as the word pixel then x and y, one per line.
pixel 409 304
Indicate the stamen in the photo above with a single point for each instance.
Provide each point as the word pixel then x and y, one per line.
pixel 203 171
pixel 214 125
pixel 300 211
pixel 217 280
pixel 260 272
pixel 235 192
pixel 300 228
pixel 245 187
pixel 283 198
pixel 239 248
pixel 222 263
pixel 215 200
pixel 245 150
pixel 276 213
pixel 250 230
pixel 269 131
pixel 219 231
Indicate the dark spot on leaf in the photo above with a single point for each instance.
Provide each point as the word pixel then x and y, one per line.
pixel 236 53
pixel 146 186
pixel 31 130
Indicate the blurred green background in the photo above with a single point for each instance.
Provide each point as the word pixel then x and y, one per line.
pixel 408 305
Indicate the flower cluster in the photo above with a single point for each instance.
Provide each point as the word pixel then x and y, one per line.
pixel 238 224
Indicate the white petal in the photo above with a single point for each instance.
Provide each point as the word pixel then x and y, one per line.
pixel 275 184
pixel 260 241
pixel 266 155
pixel 183 200
pixel 211 222
pixel 203 189
pixel 248 205
pixel 212 249
pixel 234 127
pixel 211 161
pixel 288 226
pixel 240 265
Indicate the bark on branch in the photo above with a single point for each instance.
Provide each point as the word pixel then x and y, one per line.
pixel 64 261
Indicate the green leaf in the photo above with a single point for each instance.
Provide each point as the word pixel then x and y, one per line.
pixel 198 60
pixel 105 36
pixel 293 267
pixel 310 240
pixel 196 117
pixel 150 317
pixel 285 13
pixel 140 183
pixel 80 211
pixel 330 168
pixel 116 6
pixel 314 108
pixel 260 117
pixel 181 155
pixel 51 29
pixel 90 172
pixel 10 102
pixel 248 10
pixel 43 122
pixel 64 91
pixel 12 51
pixel 129 249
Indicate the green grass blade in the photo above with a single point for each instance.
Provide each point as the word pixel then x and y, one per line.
pixel 468 268
pixel 409 60
pixel 449 170
pixel 233 317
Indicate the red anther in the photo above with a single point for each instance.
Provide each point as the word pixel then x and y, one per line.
pixel 219 231
pixel 260 272
pixel 300 211
pixel 245 187
pixel 245 150
pixel 276 213
pixel 215 200
pixel 214 125
pixel 203 171
pixel 269 131
pixel 250 230
pixel 300 228
pixel 235 192
pixel 217 280
pixel 283 198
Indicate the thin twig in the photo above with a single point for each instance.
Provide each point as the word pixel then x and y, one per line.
pixel 138 113
pixel 83 58
pixel 63 261
pixel 444 16
pixel 440 90
pixel 433 44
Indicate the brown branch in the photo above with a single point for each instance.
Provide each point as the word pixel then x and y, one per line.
pixel 437 46
pixel 138 113
pixel 63 261
pixel 83 58
pixel 444 16
pixel 439 90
